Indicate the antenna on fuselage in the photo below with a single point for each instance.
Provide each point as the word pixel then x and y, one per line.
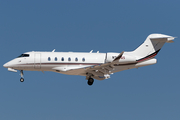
pixel 53 50
pixel 91 51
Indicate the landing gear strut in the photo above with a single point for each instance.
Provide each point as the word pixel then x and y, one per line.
pixel 90 81
pixel 22 78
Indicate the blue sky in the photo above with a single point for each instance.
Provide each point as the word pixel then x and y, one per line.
pixel 147 93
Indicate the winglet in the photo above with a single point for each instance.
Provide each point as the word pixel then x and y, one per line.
pixel 119 56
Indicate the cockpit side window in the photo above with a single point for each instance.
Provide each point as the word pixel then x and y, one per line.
pixel 24 55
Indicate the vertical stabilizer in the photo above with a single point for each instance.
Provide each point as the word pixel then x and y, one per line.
pixel 151 46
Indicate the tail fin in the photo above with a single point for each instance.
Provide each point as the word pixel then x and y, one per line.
pixel 151 46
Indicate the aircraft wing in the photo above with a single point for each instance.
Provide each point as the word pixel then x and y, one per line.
pixel 99 72
pixel 103 71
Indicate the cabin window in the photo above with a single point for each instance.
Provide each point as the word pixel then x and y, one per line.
pixel 62 59
pixel 83 59
pixel 76 59
pixel 49 59
pixel 69 59
pixel 113 57
pixel 55 58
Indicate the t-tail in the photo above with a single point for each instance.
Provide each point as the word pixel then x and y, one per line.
pixel 151 46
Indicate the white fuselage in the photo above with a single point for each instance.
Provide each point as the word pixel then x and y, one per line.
pixel 92 65
pixel 49 61
pixel 68 62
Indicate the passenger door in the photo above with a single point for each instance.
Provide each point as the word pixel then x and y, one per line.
pixel 37 60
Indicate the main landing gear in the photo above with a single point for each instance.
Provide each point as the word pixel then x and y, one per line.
pixel 90 81
pixel 22 78
pixel 89 78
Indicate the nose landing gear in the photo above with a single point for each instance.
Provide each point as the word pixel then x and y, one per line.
pixel 22 78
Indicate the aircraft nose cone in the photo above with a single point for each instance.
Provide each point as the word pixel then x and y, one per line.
pixel 6 65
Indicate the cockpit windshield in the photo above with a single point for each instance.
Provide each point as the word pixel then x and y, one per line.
pixel 24 55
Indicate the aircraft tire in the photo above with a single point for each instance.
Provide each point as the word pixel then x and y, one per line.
pixel 22 80
pixel 90 81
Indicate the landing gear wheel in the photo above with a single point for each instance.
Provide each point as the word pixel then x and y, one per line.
pixel 90 81
pixel 22 80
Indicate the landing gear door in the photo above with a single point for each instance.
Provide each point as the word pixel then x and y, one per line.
pixel 37 60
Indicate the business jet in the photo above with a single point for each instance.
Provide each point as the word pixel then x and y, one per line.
pixel 92 65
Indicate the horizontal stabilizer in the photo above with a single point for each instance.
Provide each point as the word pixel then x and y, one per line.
pixel 162 38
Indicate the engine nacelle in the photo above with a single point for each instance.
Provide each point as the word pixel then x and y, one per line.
pixel 111 56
